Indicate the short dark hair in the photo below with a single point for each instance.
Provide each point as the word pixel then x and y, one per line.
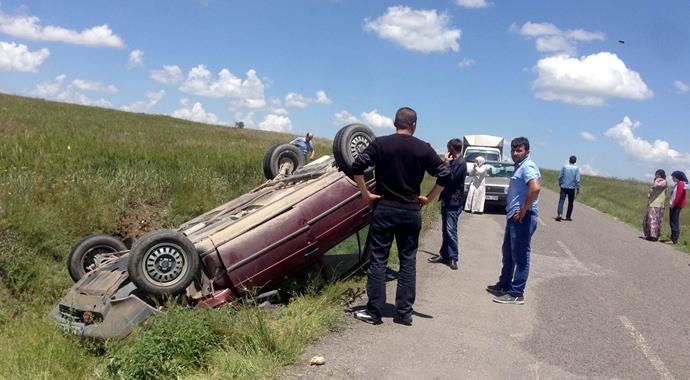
pixel 661 173
pixel 455 146
pixel 405 118
pixel 572 159
pixel 518 142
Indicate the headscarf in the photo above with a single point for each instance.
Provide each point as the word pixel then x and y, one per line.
pixel 480 161
pixel 679 175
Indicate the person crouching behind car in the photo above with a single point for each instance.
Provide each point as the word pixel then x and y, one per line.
pixel 400 161
pixel 451 206
pixel 305 145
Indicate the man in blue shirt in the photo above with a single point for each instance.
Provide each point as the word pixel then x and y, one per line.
pixel 304 144
pixel 521 214
pixel 569 181
pixel 452 201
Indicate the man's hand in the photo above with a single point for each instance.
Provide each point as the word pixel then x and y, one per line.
pixel 518 216
pixel 577 192
pixel 370 197
pixel 423 200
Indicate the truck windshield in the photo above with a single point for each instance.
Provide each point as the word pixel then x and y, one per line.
pixel 489 155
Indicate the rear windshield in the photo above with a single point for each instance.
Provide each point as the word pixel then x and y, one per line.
pixel 488 155
pixel 500 170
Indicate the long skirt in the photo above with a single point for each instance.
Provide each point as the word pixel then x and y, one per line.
pixel 651 223
pixel 475 198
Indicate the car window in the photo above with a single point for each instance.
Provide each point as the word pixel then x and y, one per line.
pixel 500 170
pixel 345 256
pixel 488 155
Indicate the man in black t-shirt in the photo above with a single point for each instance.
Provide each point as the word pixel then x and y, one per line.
pixel 400 161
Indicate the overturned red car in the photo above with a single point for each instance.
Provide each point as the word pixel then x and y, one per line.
pixel 304 215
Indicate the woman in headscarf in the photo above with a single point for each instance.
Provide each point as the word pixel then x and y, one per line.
pixel 656 199
pixel 677 202
pixel 477 190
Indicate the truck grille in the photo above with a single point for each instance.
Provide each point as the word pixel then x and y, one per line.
pixel 75 315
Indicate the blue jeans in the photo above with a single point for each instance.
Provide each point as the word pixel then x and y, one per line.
pixel 403 225
pixel 571 198
pixel 516 254
pixel 449 229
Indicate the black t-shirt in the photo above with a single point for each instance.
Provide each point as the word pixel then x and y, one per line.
pixel 400 162
pixel 453 194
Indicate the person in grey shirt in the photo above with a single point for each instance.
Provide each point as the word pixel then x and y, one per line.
pixel 569 181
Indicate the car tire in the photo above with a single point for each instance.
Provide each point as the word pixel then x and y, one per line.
pixel 163 262
pixel 287 156
pixel 83 253
pixel 349 142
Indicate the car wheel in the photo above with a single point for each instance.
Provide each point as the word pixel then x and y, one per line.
pixel 349 142
pixel 163 262
pixel 83 254
pixel 282 159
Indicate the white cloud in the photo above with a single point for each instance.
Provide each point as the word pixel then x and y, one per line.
pixel 17 57
pixel 641 150
pixel 293 99
pixel 136 58
pixel 196 113
pixel 344 118
pixel 372 118
pixel 85 85
pixel 169 74
pixel 466 62
pixel 587 136
pixel 472 4
pixel 589 169
pixel 72 92
pixel 322 98
pixel 421 30
pixel 682 88
pixel 375 119
pixel 248 93
pixel 280 111
pixel 550 39
pixel 145 105
pixel 589 80
pixel 28 27
pixel 276 123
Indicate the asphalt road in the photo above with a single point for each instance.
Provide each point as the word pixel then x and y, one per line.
pixel 600 303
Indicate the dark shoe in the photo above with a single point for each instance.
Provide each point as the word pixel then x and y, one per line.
pixel 364 316
pixel 402 321
pixel 510 300
pixel 496 290
pixel 453 264
pixel 558 218
pixel 437 260
pixel 568 219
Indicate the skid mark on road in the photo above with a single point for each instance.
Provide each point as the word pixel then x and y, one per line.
pixel 646 350
pixel 541 222
pixel 572 257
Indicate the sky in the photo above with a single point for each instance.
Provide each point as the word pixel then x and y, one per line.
pixel 607 81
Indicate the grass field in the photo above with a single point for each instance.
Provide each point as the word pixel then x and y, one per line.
pixel 67 171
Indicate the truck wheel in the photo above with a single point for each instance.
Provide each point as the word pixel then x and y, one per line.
pixel 82 255
pixel 349 142
pixel 282 159
pixel 163 262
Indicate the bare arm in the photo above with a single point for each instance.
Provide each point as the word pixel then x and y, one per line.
pixel 366 194
pixel 435 191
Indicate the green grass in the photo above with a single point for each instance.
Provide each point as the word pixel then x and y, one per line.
pixel 67 171
pixel 626 200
